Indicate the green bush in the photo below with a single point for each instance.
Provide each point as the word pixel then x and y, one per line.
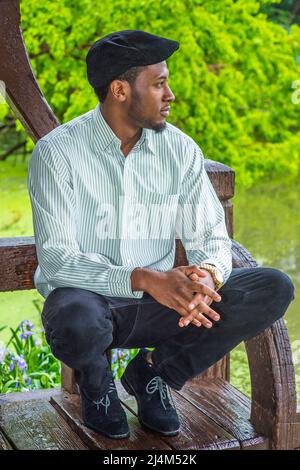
pixel 26 362
pixel 232 76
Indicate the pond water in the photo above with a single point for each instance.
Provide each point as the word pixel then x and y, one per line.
pixel 267 223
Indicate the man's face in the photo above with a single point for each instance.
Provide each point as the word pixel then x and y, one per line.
pixel 149 96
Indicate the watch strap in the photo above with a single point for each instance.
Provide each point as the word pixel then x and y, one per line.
pixel 212 269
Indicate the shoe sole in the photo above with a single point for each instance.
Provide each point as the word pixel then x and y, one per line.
pixel 111 436
pixel 130 390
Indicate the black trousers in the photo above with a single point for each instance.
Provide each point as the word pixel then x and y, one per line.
pixel 81 325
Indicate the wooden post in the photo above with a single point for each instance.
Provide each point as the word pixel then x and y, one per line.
pixel 23 93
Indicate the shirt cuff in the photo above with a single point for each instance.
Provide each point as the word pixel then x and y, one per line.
pixel 119 283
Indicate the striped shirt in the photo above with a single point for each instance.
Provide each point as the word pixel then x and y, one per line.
pixel 97 214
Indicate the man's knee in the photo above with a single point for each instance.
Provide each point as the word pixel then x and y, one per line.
pixel 267 294
pixel 279 292
pixel 282 285
pixel 76 317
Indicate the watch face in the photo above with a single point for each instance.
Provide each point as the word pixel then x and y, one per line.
pixel 219 276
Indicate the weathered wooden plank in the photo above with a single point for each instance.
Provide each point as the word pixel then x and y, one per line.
pixel 68 381
pixel 69 406
pixel 18 263
pixel 222 178
pixel 274 401
pixel 219 369
pixel 43 393
pixel 227 407
pixel 4 443
pixel 31 423
pixel 228 210
pixel 198 431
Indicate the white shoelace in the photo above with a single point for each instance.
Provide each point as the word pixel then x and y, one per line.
pixel 105 401
pixel 157 383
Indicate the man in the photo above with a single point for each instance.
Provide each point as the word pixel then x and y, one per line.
pixel 110 192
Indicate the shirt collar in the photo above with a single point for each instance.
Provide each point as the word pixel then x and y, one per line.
pixel 105 137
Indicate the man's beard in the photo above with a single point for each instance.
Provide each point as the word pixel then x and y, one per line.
pixel 159 127
pixel 136 113
pixel 150 124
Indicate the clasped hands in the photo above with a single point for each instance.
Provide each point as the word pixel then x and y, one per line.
pixel 201 302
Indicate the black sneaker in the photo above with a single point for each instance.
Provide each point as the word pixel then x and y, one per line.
pixel 156 408
pixel 105 415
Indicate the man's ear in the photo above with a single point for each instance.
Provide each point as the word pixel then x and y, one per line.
pixel 120 90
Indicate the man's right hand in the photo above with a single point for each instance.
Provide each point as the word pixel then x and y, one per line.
pixel 208 300
pixel 175 289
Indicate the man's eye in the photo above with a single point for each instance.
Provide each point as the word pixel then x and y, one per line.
pixel 161 83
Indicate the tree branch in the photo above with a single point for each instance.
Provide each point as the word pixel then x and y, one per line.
pixel 294 12
pixel 6 126
pixel 12 150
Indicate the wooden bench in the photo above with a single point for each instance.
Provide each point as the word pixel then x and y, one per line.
pixel 213 413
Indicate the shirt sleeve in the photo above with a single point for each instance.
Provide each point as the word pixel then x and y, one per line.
pixel 60 258
pixel 201 221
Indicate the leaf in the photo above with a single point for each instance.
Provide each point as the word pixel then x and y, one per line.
pixel 17 342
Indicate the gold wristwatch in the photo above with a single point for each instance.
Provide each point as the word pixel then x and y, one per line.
pixel 215 273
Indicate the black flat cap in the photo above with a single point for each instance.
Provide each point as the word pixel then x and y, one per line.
pixel 117 52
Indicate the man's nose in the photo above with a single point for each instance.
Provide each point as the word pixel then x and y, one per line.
pixel 170 96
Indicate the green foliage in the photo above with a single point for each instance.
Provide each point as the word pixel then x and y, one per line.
pixel 232 76
pixel 239 370
pixel 15 214
pixel 26 362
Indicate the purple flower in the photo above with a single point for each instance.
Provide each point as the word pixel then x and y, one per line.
pixel 26 334
pixel 22 363
pixel 11 366
pixel 25 327
pixel 120 353
pixel 17 384
pixel 29 325
pixel 114 357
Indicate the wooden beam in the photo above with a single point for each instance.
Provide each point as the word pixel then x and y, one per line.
pixel 23 93
pixel 18 263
